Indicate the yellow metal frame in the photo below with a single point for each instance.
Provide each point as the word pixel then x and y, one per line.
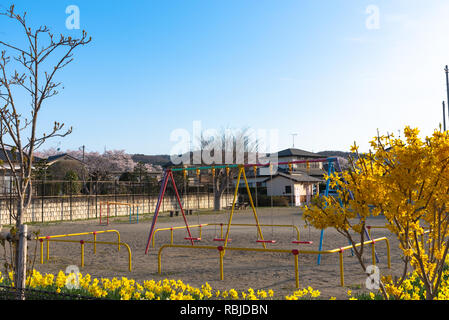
pixel 294 252
pixel 94 233
pixel 240 174
pixel 82 242
pixel 385 227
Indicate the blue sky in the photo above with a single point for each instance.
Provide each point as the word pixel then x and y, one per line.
pixel 306 67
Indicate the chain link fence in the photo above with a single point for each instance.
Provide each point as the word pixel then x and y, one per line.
pixel 71 200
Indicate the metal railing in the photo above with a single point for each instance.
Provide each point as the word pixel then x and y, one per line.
pixel 94 233
pixel 295 253
pixel 82 242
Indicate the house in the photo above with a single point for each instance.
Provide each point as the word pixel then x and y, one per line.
pixel 6 180
pixel 314 169
pixel 58 165
pixel 61 158
pixel 50 163
pixel 298 185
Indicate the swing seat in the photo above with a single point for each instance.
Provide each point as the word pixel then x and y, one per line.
pixel 266 241
pixel 193 239
pixel 302 242
pixel 221 239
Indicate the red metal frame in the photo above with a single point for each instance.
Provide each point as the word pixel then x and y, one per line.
pixel 303 242
pixel 107 212
pixel 168 175
pixel 266 241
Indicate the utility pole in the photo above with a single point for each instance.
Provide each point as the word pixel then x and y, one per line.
pixel 446 69
pixel 444 117
pixel 83 152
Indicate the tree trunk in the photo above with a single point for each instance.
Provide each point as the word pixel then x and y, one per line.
pixel 217 198
pixel 217 202
pixel 21 251
pixel 220 183
pixel 21 262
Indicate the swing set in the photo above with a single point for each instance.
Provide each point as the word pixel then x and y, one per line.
pixel 168 176
pixel 133 211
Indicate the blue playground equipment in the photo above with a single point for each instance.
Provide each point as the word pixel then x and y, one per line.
pixel 334 166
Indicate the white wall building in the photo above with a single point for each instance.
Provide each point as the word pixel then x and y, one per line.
pixel 299 187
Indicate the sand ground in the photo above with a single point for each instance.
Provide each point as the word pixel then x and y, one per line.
pixel 242 269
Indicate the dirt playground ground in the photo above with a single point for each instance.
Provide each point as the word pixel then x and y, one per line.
pixel 242 269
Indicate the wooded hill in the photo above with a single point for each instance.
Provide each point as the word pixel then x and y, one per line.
pixel 164 159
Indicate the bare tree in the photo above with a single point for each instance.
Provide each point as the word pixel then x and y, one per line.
pixel 227 147
pixel 29 70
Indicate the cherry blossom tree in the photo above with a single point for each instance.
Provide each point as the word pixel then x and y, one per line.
pixel 100 165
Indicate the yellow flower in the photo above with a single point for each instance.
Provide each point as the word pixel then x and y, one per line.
pixel 127 289
pixel 125 296
pixel 233 294
pixel 149 295
pixel 315 294
pixel 262 294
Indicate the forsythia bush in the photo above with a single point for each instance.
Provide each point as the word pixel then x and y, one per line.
pixel 413 288
pixel 406 181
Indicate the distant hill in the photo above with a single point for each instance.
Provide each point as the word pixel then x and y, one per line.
pixel 164 159
pixel 332 153
pixel 160 160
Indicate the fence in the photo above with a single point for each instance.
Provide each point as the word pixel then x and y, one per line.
pixel 74 200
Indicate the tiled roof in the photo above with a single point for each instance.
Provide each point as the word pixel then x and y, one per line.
pixel 298 177
pixel 292 152
pixel 13 157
